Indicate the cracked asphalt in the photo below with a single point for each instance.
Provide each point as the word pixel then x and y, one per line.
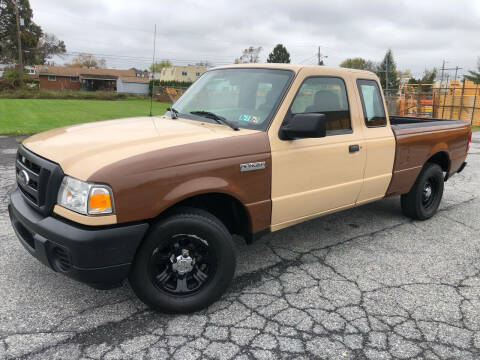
pixel 366 283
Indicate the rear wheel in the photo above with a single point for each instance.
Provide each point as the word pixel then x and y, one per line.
pixel 185 263
pixel 424 198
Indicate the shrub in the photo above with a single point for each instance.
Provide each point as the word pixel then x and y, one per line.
pixel 65 94
pixel 181 84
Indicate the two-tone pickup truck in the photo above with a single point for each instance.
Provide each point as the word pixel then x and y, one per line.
pixel 248 149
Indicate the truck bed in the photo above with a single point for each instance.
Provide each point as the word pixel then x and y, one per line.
pixel 419 140
pixel 407 122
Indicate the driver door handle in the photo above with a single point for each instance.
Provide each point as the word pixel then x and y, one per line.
pixel 353 148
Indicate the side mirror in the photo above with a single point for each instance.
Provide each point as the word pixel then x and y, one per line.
pixel 306 125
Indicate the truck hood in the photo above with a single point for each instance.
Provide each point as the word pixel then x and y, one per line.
pixel 83 149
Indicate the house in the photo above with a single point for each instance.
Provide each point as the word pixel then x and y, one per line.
pixel 30 71
pixel 78 78
pixel 4 68
pixel 189 73
pixel 133 85
pixel 141 73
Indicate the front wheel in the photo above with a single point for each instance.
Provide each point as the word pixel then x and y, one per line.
pixel 186 262
pixel 422 201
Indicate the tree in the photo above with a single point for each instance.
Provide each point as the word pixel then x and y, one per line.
pixel 387 72
pixel 205 63
pixel 427 78
pixel 88 61
pixel 358 63
pixel 35 47
pixel 48 46
pixel 279 55
pixel 158 66
pixel 30 32
pixel 249 55
pixel 474 75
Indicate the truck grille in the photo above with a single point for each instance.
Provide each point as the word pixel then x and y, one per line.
pixel 38 179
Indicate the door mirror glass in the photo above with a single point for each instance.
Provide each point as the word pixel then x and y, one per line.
pixel 304 125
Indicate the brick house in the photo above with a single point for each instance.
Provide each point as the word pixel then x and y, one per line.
pixel 77 78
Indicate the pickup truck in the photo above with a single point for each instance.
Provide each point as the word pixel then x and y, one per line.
pixel 246 150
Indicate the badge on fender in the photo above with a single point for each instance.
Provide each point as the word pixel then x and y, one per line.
pixel 259 165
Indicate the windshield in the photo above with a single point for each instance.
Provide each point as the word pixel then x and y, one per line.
pixel 244 98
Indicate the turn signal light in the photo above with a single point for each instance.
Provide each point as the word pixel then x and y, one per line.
pixel 100 201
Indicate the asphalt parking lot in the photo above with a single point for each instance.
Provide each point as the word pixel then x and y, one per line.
pixel 363 283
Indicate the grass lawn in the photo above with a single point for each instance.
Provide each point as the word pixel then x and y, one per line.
pixel 28 116
pixel 475 128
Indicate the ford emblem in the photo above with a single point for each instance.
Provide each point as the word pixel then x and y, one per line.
pixel 23 178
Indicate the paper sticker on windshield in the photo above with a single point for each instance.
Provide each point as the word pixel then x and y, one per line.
pixel 249 118
pixel 245 118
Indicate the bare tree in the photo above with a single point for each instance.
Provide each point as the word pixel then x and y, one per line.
pixel 88 61
pixel 249 55
pixel 48 46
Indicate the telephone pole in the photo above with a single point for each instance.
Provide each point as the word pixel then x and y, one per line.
pixel 320 57
pixel 19 40
pixel 386 76
pixel 443 71
pixel 447 69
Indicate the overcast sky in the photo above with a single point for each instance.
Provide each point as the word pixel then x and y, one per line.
pixel 421 33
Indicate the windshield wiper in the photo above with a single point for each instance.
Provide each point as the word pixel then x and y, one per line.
pixel 173 112
pixel 219 119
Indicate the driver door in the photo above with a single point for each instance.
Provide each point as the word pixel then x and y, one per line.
pixel 313 176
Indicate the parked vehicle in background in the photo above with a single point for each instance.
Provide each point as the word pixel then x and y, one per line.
pixel 247 149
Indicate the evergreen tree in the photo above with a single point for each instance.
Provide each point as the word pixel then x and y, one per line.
pixel 474 75
pixel 279 54
pixel 388 68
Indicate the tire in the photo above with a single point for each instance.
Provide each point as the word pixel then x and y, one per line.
pixel 422 202
pixel 206 267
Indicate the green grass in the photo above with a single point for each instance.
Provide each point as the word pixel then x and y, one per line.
pixel 475 128
pixel 29 116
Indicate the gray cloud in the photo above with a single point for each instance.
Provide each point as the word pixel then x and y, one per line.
pixel 420 33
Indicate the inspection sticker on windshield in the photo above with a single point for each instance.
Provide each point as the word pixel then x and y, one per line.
pixel 248 118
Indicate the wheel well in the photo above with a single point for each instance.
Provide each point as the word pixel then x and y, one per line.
pixel 226 208
pixel 441 158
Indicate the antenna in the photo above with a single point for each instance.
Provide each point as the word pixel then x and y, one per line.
pixel 153 69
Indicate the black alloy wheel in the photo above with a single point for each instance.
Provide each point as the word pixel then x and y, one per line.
pixel 423 200
pixel 182 265
pixel 185 263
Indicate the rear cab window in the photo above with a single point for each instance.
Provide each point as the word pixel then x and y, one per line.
pixel 372 104
pixel 324 95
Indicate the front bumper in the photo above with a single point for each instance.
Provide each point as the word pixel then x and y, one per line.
pixel 99 256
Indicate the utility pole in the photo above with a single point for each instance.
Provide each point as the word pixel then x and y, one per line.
pixel 454 88
pixel 320 57
pixel 386 76
pixel 153 68
pixel 447 69
pixel 443 71
pixel 19 40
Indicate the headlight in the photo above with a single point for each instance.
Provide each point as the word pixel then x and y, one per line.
pixel 85 198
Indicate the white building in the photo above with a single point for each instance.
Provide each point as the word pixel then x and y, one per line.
pixel 189 73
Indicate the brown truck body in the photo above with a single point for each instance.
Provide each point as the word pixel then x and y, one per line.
pixel 417 142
